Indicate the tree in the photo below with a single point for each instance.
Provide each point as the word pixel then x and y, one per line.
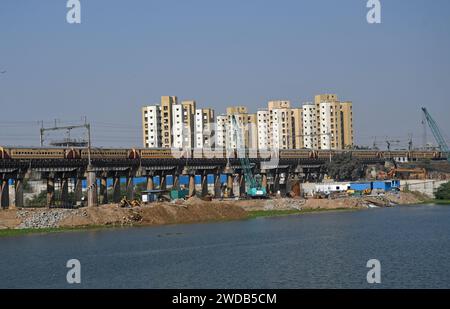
pixel 344 167
pixel 443 192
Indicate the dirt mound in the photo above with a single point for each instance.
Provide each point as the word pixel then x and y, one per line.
pixel 405 198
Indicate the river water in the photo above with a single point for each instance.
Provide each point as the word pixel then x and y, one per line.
pixel 317 250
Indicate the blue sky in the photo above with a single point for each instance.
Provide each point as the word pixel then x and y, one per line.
pixel 126 54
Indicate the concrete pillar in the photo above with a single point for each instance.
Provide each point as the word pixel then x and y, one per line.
pixel 276 182
pixel 204 181
pixel 18 188
pixel 162 181
pixel 65 191
pixel 242 191
pixel 149 182
pixel 4 193
pixel 78 189
pixel 230 185
pixel 50 192
pixel 176 182
pixel 264 181
pixel 104 190
pixel 191 185
pixel 130 188
pixel 91 187
pixel 116 189
pixel 217 186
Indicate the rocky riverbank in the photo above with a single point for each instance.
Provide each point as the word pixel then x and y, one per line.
pixel 192 210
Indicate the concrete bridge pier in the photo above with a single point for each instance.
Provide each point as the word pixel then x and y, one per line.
pixel 242 191
pixel 176 181
pixel 64 183
pixel 116 189
pixel 50 191
pixel 18 192
pixel 192 184
pixel 4 193
pixel 217 186
pixel 103 190
pixel 162 181
pixel 264 179
pixel 230 183
pixel 78 188
pixel 228 171
pixel 130 187
pixel 91 187
pixel 150 184
pixel 204 181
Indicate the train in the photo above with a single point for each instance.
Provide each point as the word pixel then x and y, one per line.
pixel 27 153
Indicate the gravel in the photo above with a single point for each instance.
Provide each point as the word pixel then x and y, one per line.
pixel 48 218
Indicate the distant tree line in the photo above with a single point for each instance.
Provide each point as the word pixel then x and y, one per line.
pixel 343 167
pixel 443 192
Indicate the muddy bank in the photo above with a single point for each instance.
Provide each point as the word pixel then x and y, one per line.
pixel 113 215
pixel 190 211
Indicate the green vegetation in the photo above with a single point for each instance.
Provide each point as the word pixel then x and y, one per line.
pixel 19 232
pixel 440 202
pixel 443 192
pixel 343 167
pixel 277 213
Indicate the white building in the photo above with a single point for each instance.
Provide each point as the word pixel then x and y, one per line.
pixel 204 130
pixel 177 126
pixel 262 117
pixel 310 138
pixel 326 110
pixel 151 119
pixel 281 128
pixel 221 131
pixel 280 125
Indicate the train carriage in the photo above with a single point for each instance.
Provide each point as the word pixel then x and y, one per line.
pixel 37 153
pixel 104 153
pixel 297 154
pixel 157 153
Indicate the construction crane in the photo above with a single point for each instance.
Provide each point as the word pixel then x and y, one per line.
pixel 437 133
pixel 255 188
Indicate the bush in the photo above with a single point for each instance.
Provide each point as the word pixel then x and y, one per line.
pixel 344 167
pixel 443 193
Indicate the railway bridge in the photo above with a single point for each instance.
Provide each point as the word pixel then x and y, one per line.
pixel 64 172
pixel 68 168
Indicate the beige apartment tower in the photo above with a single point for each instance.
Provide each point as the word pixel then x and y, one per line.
pixel 166 120
pixel 329 127
pixel 297 128
pixel 241 116
pixel 347 124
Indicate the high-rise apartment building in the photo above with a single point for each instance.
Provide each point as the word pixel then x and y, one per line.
pixel 326 123
pixel 204 128
pixel 221 131
pixel 280 125
pixel 347 124
pixel 262 117
pixel 183 124
pixel 151 126
pixel 310 138
pixel 297 128
pixel 166 120
pixel 251 131
pixel 328 117
pixel 236 128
